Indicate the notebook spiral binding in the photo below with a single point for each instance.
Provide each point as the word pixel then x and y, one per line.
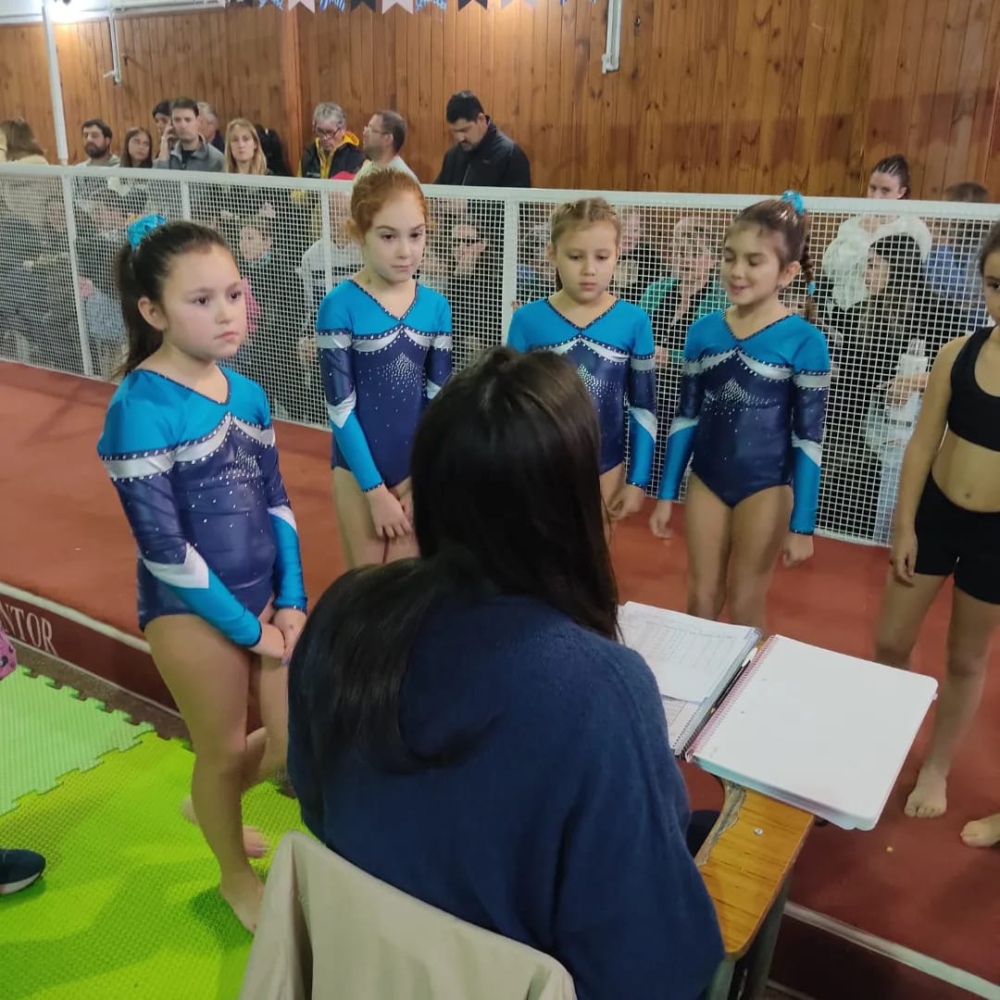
pixel 715 720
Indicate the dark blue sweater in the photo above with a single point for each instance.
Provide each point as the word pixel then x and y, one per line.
pixel 565 826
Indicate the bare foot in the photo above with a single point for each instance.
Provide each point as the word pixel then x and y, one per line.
pixel 928 798
pixel 254 842
pixel 982 832
pixel 244 895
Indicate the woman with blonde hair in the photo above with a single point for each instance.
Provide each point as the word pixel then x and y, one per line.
pixel 244 155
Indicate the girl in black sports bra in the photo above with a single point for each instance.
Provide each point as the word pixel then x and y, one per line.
pixel 947 523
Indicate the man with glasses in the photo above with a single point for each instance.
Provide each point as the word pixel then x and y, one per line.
pixel 384 136
pixel 334 151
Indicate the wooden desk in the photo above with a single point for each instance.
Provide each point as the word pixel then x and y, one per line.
pixel 745 862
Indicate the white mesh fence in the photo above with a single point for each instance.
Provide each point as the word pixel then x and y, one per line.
pixel 894 282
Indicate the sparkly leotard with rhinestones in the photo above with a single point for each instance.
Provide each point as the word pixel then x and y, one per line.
pixel 751 410
pixel 614 356
pixel 201 488
pixel 379 372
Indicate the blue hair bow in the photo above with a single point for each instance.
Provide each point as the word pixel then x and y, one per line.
pixel 141 228
pixel 795 200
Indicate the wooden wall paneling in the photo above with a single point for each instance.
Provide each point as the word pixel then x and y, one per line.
pixel 538 118
pixel 417 94
pixel 958 147
pixel 862 41
pixel 741 132
pixel 938 64
pixel 906 83
pixel 836 75
pixel 289 127
pixel 599 151
pixel 772 39
pixel 885 106
pixel 624 98
pixel 809 106
pixel 786 171
pixel 984 125
pixel 716 31
pixel 511 63
pixel 650 129
pixel 432 135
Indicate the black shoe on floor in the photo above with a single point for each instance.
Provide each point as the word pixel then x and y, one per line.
pixel 18 869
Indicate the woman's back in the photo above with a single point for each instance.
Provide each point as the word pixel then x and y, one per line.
pixel 560 823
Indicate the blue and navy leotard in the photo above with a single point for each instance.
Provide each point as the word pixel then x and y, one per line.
pixel 201 488
pixel 752 413
pixel 614 355
pixel 379 372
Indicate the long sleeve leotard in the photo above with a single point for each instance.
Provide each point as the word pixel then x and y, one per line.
pixel 751 411
pixel 379 372
pixel 614 355
pixel 201 488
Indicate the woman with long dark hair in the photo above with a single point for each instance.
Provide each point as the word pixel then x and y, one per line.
pixel 466 725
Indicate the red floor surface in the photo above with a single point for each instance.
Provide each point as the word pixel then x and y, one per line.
pixel 63 537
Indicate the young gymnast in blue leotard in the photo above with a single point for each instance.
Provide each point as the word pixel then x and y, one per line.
pixel 190 449
pixel 385 350
pixel 610 342
pixel 752 406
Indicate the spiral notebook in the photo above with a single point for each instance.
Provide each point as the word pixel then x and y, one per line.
pixel 693 660
pixel 819 730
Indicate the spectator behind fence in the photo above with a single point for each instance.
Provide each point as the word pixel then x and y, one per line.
pixel 274 150
pixel 384 136
pixel 334 150
pixel 639 264
pixel 691 290
pixel 97 137
pixel 903 327
pixel 482 155
pixel 161 117
pixel 18 143
pixel 182 146
pixel 953 264
pixel 244 155
pixel 846 258
pixel 208 123
pixel 475 283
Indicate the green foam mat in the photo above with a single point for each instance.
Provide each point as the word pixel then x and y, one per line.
pixel 47 731
pixel 128 905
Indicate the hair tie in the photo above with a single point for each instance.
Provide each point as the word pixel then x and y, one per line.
pixel 795 200
pixel 811 289
pixel 141 228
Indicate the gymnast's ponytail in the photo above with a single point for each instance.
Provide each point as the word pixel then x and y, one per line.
pixel 142 267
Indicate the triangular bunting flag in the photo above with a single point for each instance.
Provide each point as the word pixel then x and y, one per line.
pixel 339 4
pixel 277 3
pixel 462 4
pixel 441 4
pixel 308 4
pixel 355 4
pixel 407 5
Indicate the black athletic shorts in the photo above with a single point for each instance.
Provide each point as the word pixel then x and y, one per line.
pixel 951 539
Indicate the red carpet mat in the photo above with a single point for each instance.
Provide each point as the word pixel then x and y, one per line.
pixel 63 537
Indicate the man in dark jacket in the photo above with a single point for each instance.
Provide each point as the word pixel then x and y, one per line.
pixel 482 155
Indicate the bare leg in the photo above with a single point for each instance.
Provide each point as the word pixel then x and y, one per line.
pixel 209 679
pixel 760 524
pixel 903 611
pixel 708 525
pixel 969 632
pixel 357 530
pixel 982 832
pixel 611 482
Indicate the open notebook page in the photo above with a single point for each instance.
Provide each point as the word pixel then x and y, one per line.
pixel 818 729
pixel 690 657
